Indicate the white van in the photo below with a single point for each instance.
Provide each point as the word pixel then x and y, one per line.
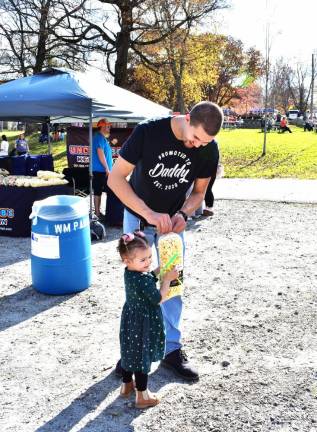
pixel 293 114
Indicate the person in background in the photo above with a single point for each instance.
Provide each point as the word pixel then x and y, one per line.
pixel 308 125
pixel 43 138
pixel 62 134
pixel 21 145
pixel 269 123
pixel 284 126
pixel 101 162
pixel 206 208
pixel 55 132
pixel 209 198
pixel 4 146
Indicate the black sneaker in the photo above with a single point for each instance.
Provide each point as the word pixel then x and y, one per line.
pixel 118 370
pixel 178 362
pixel 102 218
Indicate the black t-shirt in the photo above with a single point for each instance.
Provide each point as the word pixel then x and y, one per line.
pixel 164 167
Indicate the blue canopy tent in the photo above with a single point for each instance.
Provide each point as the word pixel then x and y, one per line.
pixel 65 96
pixel 72 95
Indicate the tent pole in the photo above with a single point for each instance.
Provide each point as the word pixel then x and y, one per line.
pixel 49 137
pixel 90 166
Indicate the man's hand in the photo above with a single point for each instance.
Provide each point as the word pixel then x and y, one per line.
pixel 162 221
pixel 178 223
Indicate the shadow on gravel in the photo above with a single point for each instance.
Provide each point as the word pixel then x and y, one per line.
pixel 14 250
pixel 120 414
pixel 84 404
pixel 25 304
pixel 117 416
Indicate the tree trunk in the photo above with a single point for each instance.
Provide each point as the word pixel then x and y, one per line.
pixel 178 75
pixel 43 35
pixel 123 41
pixel 180 104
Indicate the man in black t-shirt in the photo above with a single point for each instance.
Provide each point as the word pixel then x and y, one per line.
pixel 164 157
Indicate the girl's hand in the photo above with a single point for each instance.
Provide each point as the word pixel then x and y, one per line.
pixel 167 279
pixel 171 275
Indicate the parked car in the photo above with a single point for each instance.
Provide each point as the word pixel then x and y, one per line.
pixel 293 114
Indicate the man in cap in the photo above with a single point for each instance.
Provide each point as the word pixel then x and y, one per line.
pixel 101 162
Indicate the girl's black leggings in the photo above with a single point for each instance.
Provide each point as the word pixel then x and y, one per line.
pixel 140 379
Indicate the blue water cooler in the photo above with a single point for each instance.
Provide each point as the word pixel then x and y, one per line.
pixel 60 245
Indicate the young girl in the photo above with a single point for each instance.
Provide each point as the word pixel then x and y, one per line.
pixel 142 338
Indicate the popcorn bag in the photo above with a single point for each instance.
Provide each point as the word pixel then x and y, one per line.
pixel 171 254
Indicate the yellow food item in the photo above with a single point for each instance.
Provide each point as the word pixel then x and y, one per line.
pixel 47 175
pixel 171 254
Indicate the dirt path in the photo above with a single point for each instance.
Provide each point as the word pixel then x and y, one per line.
pixel 250 325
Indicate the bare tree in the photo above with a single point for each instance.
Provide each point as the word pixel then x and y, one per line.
pixel 140 23
pixel 31 32
pixel 39 33
pixel 290 86
pixel 299 86
pixel 280 94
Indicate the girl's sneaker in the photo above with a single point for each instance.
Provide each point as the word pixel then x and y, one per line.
pixel 145 399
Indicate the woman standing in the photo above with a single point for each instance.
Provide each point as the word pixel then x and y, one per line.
pixel 4 146
pixel 21 145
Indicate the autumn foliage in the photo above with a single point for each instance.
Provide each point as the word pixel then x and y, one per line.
pixel 188 68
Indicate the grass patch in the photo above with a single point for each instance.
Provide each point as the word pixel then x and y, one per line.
pixel 287 155
pixel 58 148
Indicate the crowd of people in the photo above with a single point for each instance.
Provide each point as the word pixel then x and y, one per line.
pixel 20 148
pixel 56 133
pixel 279 123
pixel 275 122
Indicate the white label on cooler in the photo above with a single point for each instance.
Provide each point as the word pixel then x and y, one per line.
pixel 45 246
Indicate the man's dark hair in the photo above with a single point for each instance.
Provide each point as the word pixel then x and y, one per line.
pixel 209 115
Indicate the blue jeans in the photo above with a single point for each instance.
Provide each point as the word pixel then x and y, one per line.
pixel 172 308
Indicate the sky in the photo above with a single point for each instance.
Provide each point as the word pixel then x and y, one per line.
pixel 292 26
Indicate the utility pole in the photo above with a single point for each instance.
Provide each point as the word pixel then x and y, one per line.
pixel 312 87
pixel 267 71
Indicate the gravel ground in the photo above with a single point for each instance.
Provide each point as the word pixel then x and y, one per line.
pixel 249 326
